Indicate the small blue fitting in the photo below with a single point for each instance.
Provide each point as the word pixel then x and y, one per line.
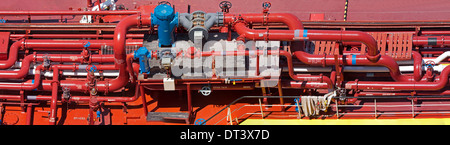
pixel 199 121
pixel 93 68
pixel 143 55
pixel 98 113
pixel 87 44
pixel 165 17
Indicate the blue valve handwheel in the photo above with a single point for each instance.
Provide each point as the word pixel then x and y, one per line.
pixel 87 44
pixel 93 68
pixel 199 121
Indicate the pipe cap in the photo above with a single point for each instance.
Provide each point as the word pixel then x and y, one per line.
pixel 164 12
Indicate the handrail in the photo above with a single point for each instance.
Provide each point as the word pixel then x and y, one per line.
pixel 360 97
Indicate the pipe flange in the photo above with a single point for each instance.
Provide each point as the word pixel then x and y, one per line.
pixel 198 22
pixel 198 14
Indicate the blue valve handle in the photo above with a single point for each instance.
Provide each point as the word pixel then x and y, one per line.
pixel 98 113
pixel 430 64
pixel 199 121
pixel 297 101
pixel 87 44
pixel 93 68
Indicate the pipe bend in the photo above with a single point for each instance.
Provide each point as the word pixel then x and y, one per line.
pixel 13 52
pixel 119 50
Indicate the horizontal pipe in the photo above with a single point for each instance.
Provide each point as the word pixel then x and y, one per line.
pixel 65 12
pixel 287 18
pixel 313 35
pixel 422 86
pixel 386 61
pixel 72 36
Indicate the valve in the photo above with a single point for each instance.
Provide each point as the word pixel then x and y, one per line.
pixel 430 64
pixel 206 90
pixel 225 6
pixel 164 3
pixel 266 5
pixel 46 61
pixel 429 75
pixel 86 52
pixel 91 78
pixel 143 55
pixel 66 93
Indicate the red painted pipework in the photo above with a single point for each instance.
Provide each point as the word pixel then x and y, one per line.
pixel 28 85
pixel 287 18
pixel 130 59
pixel 119 58
pixel 14 49
pixel 7 74
pixel 315 35
pixel 425 86
pixel 438 41
pixel 53 101
pixel 81 98
pixel 319 78
pixel 46 13
pixel 73 36
pixel 13 52
pixel 119 50
pixel 386 61
pixel 63 44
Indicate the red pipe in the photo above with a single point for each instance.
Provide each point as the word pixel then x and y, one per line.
pixel 65 12
pixel 13 52
pixel 319 78
pixel 287 18
pixel 119 49
pixel 428 86
pixel 317 35
pixel 438 41
pixel 119 57
pixel 14 49
pixel 53 101
pixel 72 36
pixel 384 60
pixel 36 43
pixel 29 114
pixel 80 98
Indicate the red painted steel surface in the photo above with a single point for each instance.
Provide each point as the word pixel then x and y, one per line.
pixel 48 40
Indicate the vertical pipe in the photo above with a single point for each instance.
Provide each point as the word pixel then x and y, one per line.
pixel 29 114
pixel 189 99
pixel 280 93
pixel 89 3
pixel 53 102
pixel 144 100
